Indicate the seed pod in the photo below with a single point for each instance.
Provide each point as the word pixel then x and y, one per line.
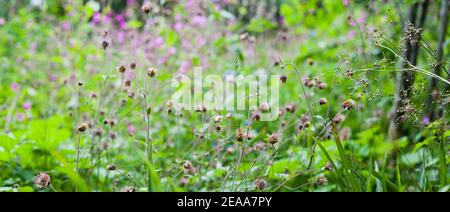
pixel 310 61
pixel 133 66
pixel 121 68
pixel 290 108
pixel 146 8
pixel 239 135
pixel 105 44
pixel 322 85
pixel 283 79
pixel 111 167
pixel 323 101
pixel 348 104
pixel 151 72
pixel 275 138
pixel 82 128
pixel 307 124
pixel 261 184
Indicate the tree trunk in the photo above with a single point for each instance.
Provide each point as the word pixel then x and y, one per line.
pixel 405 79
pixel 432 114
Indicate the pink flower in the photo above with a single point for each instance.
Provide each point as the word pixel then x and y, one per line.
pixel 2 21
pixel 351 34
pixel 200 20
pixel 26 106
pixel 96 19
pixel 346 2
pixel 15 87
pixel 42 180
pixel 131 129
pixel 20 117
pixel 185 66
pixel 66 26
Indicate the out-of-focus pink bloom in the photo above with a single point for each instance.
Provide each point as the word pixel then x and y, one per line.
pixel 20 117
pixel 53 78
pixel 15 87
pixel 178 26
pixel 96 19
pixel 26 106
pixel 185 66
pixel 42 180
pixel 186 44
pixel 121 37
pixel 200 21
pixel 131 129
pixel 120 18
pixel 363 18
pixel 201 42
pixel 66 26
pixel 157 43
pixel 426 120
pixel 2 21
pixel 131 2
pixel 346 2
pixel 129 75
pixel 351 34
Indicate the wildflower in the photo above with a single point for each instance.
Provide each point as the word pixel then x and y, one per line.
pixel 229 116
pixel 264 107
pixel 322 85
pixel 151 72
pixel 42 180
pixel 131 129
pixel 230 150
pixel 275 138
pixel 261 184
pixel 256 116
pixel 121 68
pixel 239 135
pixel 105 44
pixel 321 180
pixel 128 190
pixel 149 110
pixel 283 79
pixel 133 66
pixel 26 106
pixel 348 104
pixel 146 8
pixel 290 108
pixel 98 132
pixel 15 87
pixel 323 101
pixel 82 128
pixel 328 167
pixel 218 119
pixel 338 119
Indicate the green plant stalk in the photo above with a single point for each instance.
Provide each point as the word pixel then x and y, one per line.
pixel 443 163
pixel 345 162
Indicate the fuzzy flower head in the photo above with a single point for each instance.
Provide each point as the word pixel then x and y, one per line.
pixel 42 180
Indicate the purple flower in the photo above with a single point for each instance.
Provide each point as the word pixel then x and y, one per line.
pixel 2 21
pixel 15 87
pixel 66 26
pixel 426 120
pixel 131 129
pixel 20 117
pixel 96 19
pixel 346 2
pixel 351 34
pixel 200 21
pixel 26 106
pixel 185 66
